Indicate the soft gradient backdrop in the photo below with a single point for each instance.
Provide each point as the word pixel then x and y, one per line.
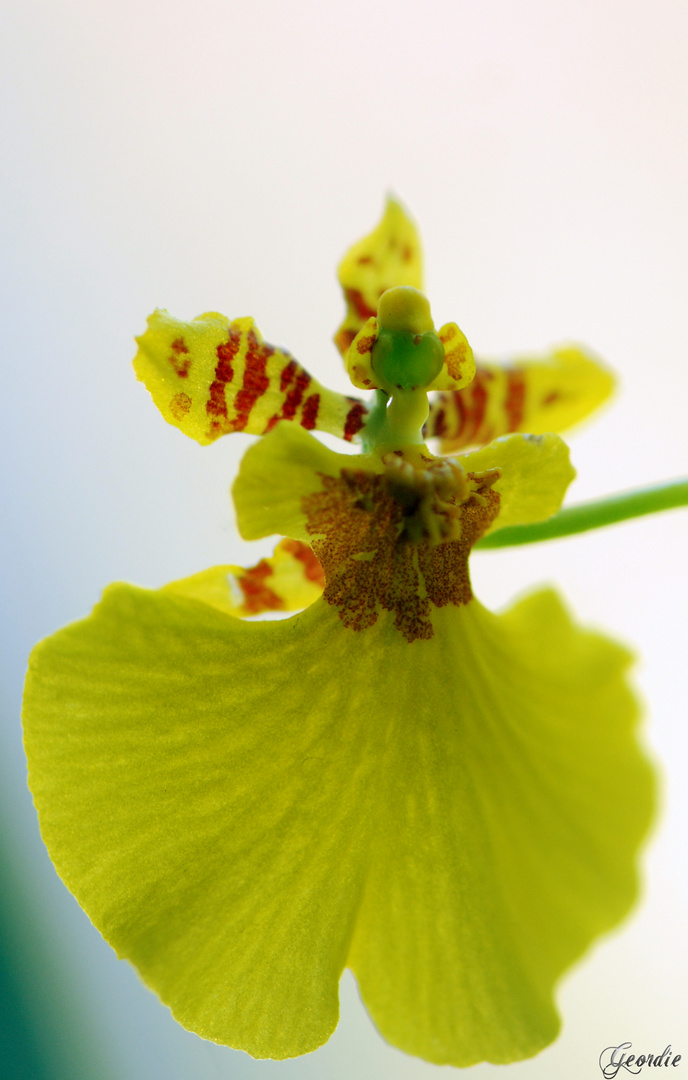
pixel 219 154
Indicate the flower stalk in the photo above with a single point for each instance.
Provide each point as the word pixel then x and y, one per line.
pixel 592 515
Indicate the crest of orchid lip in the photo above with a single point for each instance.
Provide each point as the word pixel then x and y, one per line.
pixel 393 779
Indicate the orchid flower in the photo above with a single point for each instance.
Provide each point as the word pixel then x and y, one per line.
pixel 448 801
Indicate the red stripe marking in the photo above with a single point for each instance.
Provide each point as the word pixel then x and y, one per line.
pixel 440 426
pixel 255 382
pixel 295 396
pixel 462 401
pixel 343 339
pixel 287 376
pixel 257 596
pixel 224 373
pixel 354 298
pixel 181 366
pixel 354 420
pixel 310 412
pixel 312 567
pixel 478 406
pixel 515 399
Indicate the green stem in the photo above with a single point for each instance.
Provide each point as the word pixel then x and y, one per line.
pixel 395 422
pixel 593 515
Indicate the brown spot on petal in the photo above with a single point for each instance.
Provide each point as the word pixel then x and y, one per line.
pixel 455 358
pixel 373 534
pixel 180 405
pixel 365 344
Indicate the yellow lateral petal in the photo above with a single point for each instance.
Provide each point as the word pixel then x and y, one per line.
pixel 390 255
pixel 211 376
pixel 534 395
pixel 275 476
pixel 535 471
pixel 290 579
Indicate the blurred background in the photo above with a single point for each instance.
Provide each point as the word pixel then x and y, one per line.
pixel 222 155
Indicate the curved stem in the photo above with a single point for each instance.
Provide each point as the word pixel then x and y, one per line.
pixel 592 515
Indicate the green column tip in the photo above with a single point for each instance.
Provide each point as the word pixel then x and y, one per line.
pixel 408 354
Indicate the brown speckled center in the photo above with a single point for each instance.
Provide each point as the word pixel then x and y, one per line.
pixel 371 533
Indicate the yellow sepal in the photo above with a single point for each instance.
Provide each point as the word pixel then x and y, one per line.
pixel 390 255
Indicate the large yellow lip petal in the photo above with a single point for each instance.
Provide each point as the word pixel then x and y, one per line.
pixel 243 809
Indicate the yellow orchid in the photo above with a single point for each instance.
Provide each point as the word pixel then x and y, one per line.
pixel 448 801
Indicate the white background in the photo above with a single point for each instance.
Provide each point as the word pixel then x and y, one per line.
pixel 222 156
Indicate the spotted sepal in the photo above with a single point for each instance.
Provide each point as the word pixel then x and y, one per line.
pixel 535 395
pixel 289 580
pixel 390 255
pixel 211 376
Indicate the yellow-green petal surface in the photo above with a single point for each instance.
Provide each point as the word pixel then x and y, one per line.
pixel 277 473
pixel 535 471
pixel 244 808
